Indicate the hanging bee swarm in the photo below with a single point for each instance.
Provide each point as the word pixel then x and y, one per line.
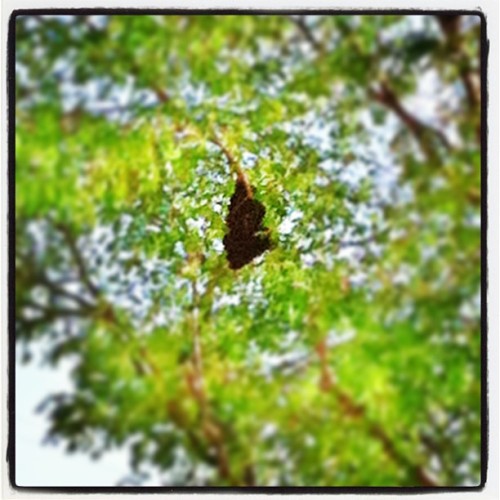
pixel 246 237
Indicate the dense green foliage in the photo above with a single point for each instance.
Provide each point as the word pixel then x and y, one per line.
pixel 349 353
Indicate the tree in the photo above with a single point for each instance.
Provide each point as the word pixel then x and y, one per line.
pixel 348 353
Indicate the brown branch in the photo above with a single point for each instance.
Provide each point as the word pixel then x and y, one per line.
pixel 177 414
pixel 212 429
pixel 54 311
pixel 152 366
pixel 363 241
pixel 234 165
pixel 49 315
pixel 219 272
pixel 195 377
pixel 299 21
pixel 474 196
pixel 471 88
pixel 357 411
pixel 450 26
pixel 160 93
pixel 385 96
pixel 59 290
pixel 38 276
pixel 326 379
pixel 78 259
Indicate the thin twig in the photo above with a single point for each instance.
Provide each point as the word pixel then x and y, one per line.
pixel 234 165
pixel 363 241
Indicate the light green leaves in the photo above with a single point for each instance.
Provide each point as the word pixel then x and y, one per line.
pixel 337 358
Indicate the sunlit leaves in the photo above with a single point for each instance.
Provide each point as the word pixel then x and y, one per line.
pixel 358 328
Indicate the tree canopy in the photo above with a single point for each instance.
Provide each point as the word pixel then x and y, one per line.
pixel 348 352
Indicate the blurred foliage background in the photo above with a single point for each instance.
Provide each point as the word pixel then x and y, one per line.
pixel 349 354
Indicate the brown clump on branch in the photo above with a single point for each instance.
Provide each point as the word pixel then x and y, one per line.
pixel 247 237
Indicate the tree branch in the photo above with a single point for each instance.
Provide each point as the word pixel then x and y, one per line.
pixel 385 96
pixel 327 383
pixel 300 22
pixel 55 311
pixel 450 26
pixel 59 290
pixel 197 384
pixel 212 429
pixel 48 315
pixel 160 93
pixel 78 259
pixel 234 165
pixel 363 241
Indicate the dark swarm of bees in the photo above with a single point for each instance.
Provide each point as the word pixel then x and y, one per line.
pixel 247 238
